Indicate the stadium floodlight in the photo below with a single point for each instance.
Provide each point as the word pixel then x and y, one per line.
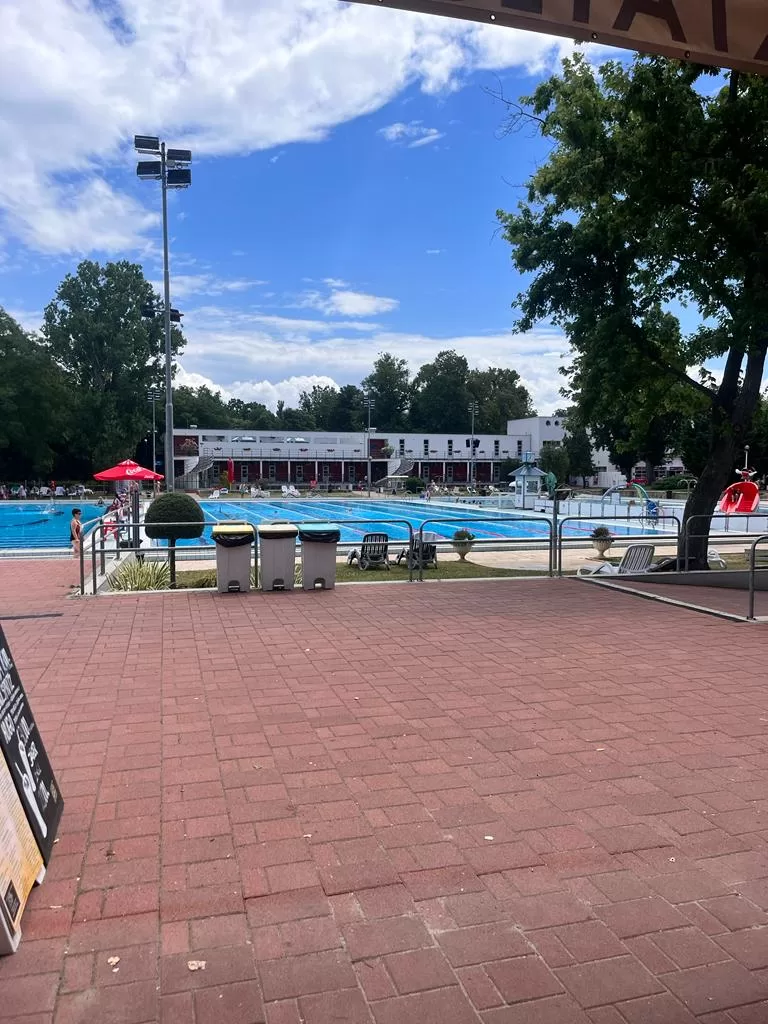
pixel 146 143
pixel 171 173
pixel 149 170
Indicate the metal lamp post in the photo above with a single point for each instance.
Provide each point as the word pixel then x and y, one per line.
pixel 369 403
pixel 154 395
pixel 172 171
pixel 473 411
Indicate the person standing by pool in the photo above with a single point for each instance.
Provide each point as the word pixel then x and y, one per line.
pixel 75 536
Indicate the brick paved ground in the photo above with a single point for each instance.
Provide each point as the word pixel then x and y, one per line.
pixel 718 599
pixel 516 803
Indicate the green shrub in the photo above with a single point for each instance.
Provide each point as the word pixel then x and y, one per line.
pixel 135 575
pixel 601 533
pixel 414 484
pixel 672 483
pixel 172 517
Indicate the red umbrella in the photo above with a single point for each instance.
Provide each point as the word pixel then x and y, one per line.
pixel 231 470
pixel 127 470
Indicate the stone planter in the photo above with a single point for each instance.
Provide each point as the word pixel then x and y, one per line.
pixel 602 545
pixel 462 548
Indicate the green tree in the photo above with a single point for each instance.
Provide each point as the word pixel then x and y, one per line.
pixel 94 330
pixel 440 396
pixel 555 460
pixel 199 405
pixel 655 190
pixel 174 516
pixel 500 395
pixel 320 403
pixel 348 414
pixel 36 404
pixel 578 448
pixel 388 384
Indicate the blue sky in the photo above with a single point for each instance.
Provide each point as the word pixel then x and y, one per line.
pixel 347 171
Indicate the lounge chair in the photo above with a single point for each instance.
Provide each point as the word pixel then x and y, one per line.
pixel 637 558
pixel 374 552
pixel 292 492
pixel 424 554
pixel 284 490
pixel 714 557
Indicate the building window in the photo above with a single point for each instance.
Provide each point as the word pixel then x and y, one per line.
pixel 496 448
pixel 326 472
pixel 299 474
pixel 426 446
pixel 449 474
pixel 401 445
pixel 352 476
pixel 496 472
pixel 450 447
pixel 272 472
pixel 549 423
pixel 519 449
pixel 244 472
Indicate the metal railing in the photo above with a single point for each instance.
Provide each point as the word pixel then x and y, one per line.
pixel 99 550
pixel 728 518
pixel 629 538
pixel 751 577
pixel 477 520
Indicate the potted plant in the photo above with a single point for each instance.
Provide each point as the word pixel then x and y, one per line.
pixel 602 538
pixel 174 516
pixel 462 543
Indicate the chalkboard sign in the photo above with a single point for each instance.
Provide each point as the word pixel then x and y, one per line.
pixel 25 756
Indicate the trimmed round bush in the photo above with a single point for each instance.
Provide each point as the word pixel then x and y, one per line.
pixel 175 508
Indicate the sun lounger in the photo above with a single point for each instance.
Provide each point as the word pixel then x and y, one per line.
pixel 637 558
pixel 373 553
pixel 424 553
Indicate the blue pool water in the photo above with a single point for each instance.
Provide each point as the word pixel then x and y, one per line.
pixel 378 516
pixel 44 524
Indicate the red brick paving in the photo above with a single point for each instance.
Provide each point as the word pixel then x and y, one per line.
pixel 508 803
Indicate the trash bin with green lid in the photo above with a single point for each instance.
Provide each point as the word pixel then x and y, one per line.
pixel 233 556
pixel 318 555
pixel 278 555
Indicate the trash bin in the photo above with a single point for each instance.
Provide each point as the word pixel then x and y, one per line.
pixel 278 555
pixel 233 556
pixel 318 555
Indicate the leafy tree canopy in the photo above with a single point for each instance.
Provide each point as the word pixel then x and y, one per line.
pixel 654 194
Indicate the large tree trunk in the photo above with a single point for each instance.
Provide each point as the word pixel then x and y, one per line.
pixel 731 419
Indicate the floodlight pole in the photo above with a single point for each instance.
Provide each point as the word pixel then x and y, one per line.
pixel 369 403
pixel 169 460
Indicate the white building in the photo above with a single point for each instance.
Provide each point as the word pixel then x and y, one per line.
pixel 549 431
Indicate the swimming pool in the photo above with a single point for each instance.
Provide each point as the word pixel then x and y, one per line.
pixel 378 516
pixel 42 524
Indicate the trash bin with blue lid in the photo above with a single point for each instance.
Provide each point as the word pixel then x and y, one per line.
pixel 277 542
pixel 318 555
pixel 233 556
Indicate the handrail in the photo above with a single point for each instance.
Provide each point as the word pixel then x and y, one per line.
pixel 484 519
pixel 128 524
pixel 727 516
pixel 751 577
pixel 595 519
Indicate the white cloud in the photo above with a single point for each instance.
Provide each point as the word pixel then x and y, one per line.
pixel 412 134
pixel 264 391
pixel 434 252
pixel 231 348
pixel 79 78
pixel 184 285
pixel 343 302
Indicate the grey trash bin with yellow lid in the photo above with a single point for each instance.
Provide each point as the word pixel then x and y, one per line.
pixel 277 542
pixel 233 556
pixel 318 555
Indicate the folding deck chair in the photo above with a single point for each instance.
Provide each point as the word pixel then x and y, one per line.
pixel 637 558
pixel 374 552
